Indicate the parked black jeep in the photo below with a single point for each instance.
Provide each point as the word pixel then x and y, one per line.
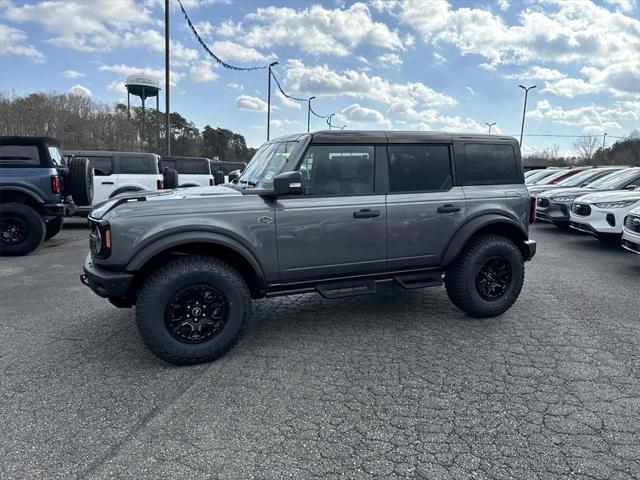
pixel 37 191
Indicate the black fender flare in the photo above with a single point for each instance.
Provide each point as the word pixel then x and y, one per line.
pixel 187 185
pixel 474 225
pixel 14 188
pixel 118 191
pixel 165 243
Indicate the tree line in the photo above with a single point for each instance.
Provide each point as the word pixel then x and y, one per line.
pixel 80 122
pixel 588 151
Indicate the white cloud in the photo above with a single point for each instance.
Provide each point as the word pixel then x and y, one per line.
pixel 253 104
pixel 12 42
pixel 504 5
pixel 234 87
pixel 230 51
pixel 117 86
pixel 80 90
pixel 363 116
pixel 205 29
pixel 93 26
pixel 591 116
pixel 390 60
pixel 537 73
pixel 567 32
pixel 124 70
pixel 321 80
pixel 277 122
pixel 319 30
pixel 287 102
pixel 618 79
pixel 72 74
pixel 470 90
pixel 230 29
pixel 438 58
pixel 203 71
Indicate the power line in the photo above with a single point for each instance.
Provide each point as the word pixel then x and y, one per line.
pixel 290 97
pixel 213 55
pixel 563 136
pixel 317 114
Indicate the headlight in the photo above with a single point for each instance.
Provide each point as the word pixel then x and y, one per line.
pixel 568 198
pixel 99 238
pixel 620 204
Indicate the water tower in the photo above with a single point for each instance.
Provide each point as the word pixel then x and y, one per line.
pixel 143 86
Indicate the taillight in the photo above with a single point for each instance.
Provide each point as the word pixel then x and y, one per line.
pixel 532 210
pixel 56 184
pixel 211 182
pixel 160 184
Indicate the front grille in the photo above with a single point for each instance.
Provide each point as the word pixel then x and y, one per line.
pixel 632 223
pixel 581 209
pixel 543 202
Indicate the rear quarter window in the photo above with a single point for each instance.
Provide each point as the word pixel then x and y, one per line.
pixel 103 166
pixel 193 167
pixel 138 164
pixel 488 164
pixel 19 155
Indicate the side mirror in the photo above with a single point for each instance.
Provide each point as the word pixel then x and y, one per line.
pixel 234 175
pixel 288 183
pixel 218 177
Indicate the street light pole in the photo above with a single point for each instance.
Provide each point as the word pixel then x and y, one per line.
pixel 272 64
pixel 604 139
pixel 309 113
pixel 490 125
pixel 329 120
pixel 167 120
pixel 524 111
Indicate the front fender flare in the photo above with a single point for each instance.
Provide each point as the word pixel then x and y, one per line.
pixel 183 238
pixel 473 226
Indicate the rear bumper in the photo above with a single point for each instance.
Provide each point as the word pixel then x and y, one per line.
pixel 529 249
pixel 59 209
pixel 105 283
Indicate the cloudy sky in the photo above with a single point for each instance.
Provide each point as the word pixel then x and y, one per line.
pixel 385 64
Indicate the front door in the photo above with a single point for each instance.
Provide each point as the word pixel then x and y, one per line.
pixel 338 227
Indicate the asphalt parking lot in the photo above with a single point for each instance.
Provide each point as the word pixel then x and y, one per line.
pixel 400 384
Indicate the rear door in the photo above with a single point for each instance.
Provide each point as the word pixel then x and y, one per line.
pixel 339 226
pixel 104 178
pixel 138 171
pixel 424 208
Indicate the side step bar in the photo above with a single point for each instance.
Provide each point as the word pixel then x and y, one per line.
pixel 419 280
pixel 352 288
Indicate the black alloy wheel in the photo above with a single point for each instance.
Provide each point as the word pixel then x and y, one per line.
pixel 13 230
pixel 196 314
pixel 494 278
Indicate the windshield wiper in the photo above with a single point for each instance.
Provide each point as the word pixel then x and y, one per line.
pixel 248 182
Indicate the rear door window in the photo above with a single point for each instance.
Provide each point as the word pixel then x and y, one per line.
pixel 419 168
pixel 488 164
pixel 103 166
pixel 133 164
pixel 194 166
pixel 19 155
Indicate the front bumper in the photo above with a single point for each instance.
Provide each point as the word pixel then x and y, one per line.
pixel 601 222
pixel 554 212
pixel 105 283
pixel 529 249
pixel 631 240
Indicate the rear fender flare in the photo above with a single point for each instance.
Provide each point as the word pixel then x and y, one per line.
pixel 29 193
pixel 473 226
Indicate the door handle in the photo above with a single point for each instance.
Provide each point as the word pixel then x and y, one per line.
pixel 107 183
pixel 448 208
pixel 366 213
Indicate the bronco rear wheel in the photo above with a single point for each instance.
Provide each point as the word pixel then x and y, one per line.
pixel 487 277
pixel 192 310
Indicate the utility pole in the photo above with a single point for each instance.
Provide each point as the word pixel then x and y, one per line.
pixel 524 111
pixel 604 139
pixel 272 64
pixel 329 120
pixel 490 125
pixel 309 113
pixel 166 76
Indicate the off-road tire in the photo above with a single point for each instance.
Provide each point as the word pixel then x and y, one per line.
pixel 170 178
pixel 460 277
pixel 81 181
pixel 163 284
pixel 34 229
pixel 53 227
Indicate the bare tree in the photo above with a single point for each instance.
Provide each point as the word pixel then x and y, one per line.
pixel 585 147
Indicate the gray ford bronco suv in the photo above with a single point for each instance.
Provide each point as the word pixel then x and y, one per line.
pixel 333 212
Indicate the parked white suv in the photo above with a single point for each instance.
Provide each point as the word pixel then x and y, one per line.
pixel 120 172
pixel 192 171
pixel 602 214
pixel 631 231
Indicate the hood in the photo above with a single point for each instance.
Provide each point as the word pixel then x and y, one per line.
pixel 562 192
pixel 219 191
pixel 613 196
pixel 542 188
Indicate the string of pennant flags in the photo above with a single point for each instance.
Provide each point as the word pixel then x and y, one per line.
pixel 229 66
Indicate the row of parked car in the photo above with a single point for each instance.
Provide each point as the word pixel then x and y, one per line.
pixel 601 201
pixel 40 184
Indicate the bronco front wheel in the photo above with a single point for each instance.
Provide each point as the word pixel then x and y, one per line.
pixel 486 279
pixel 192 310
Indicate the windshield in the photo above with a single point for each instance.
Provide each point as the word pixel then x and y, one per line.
pixel 615 181
pixel 539 175
pixel 267 163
